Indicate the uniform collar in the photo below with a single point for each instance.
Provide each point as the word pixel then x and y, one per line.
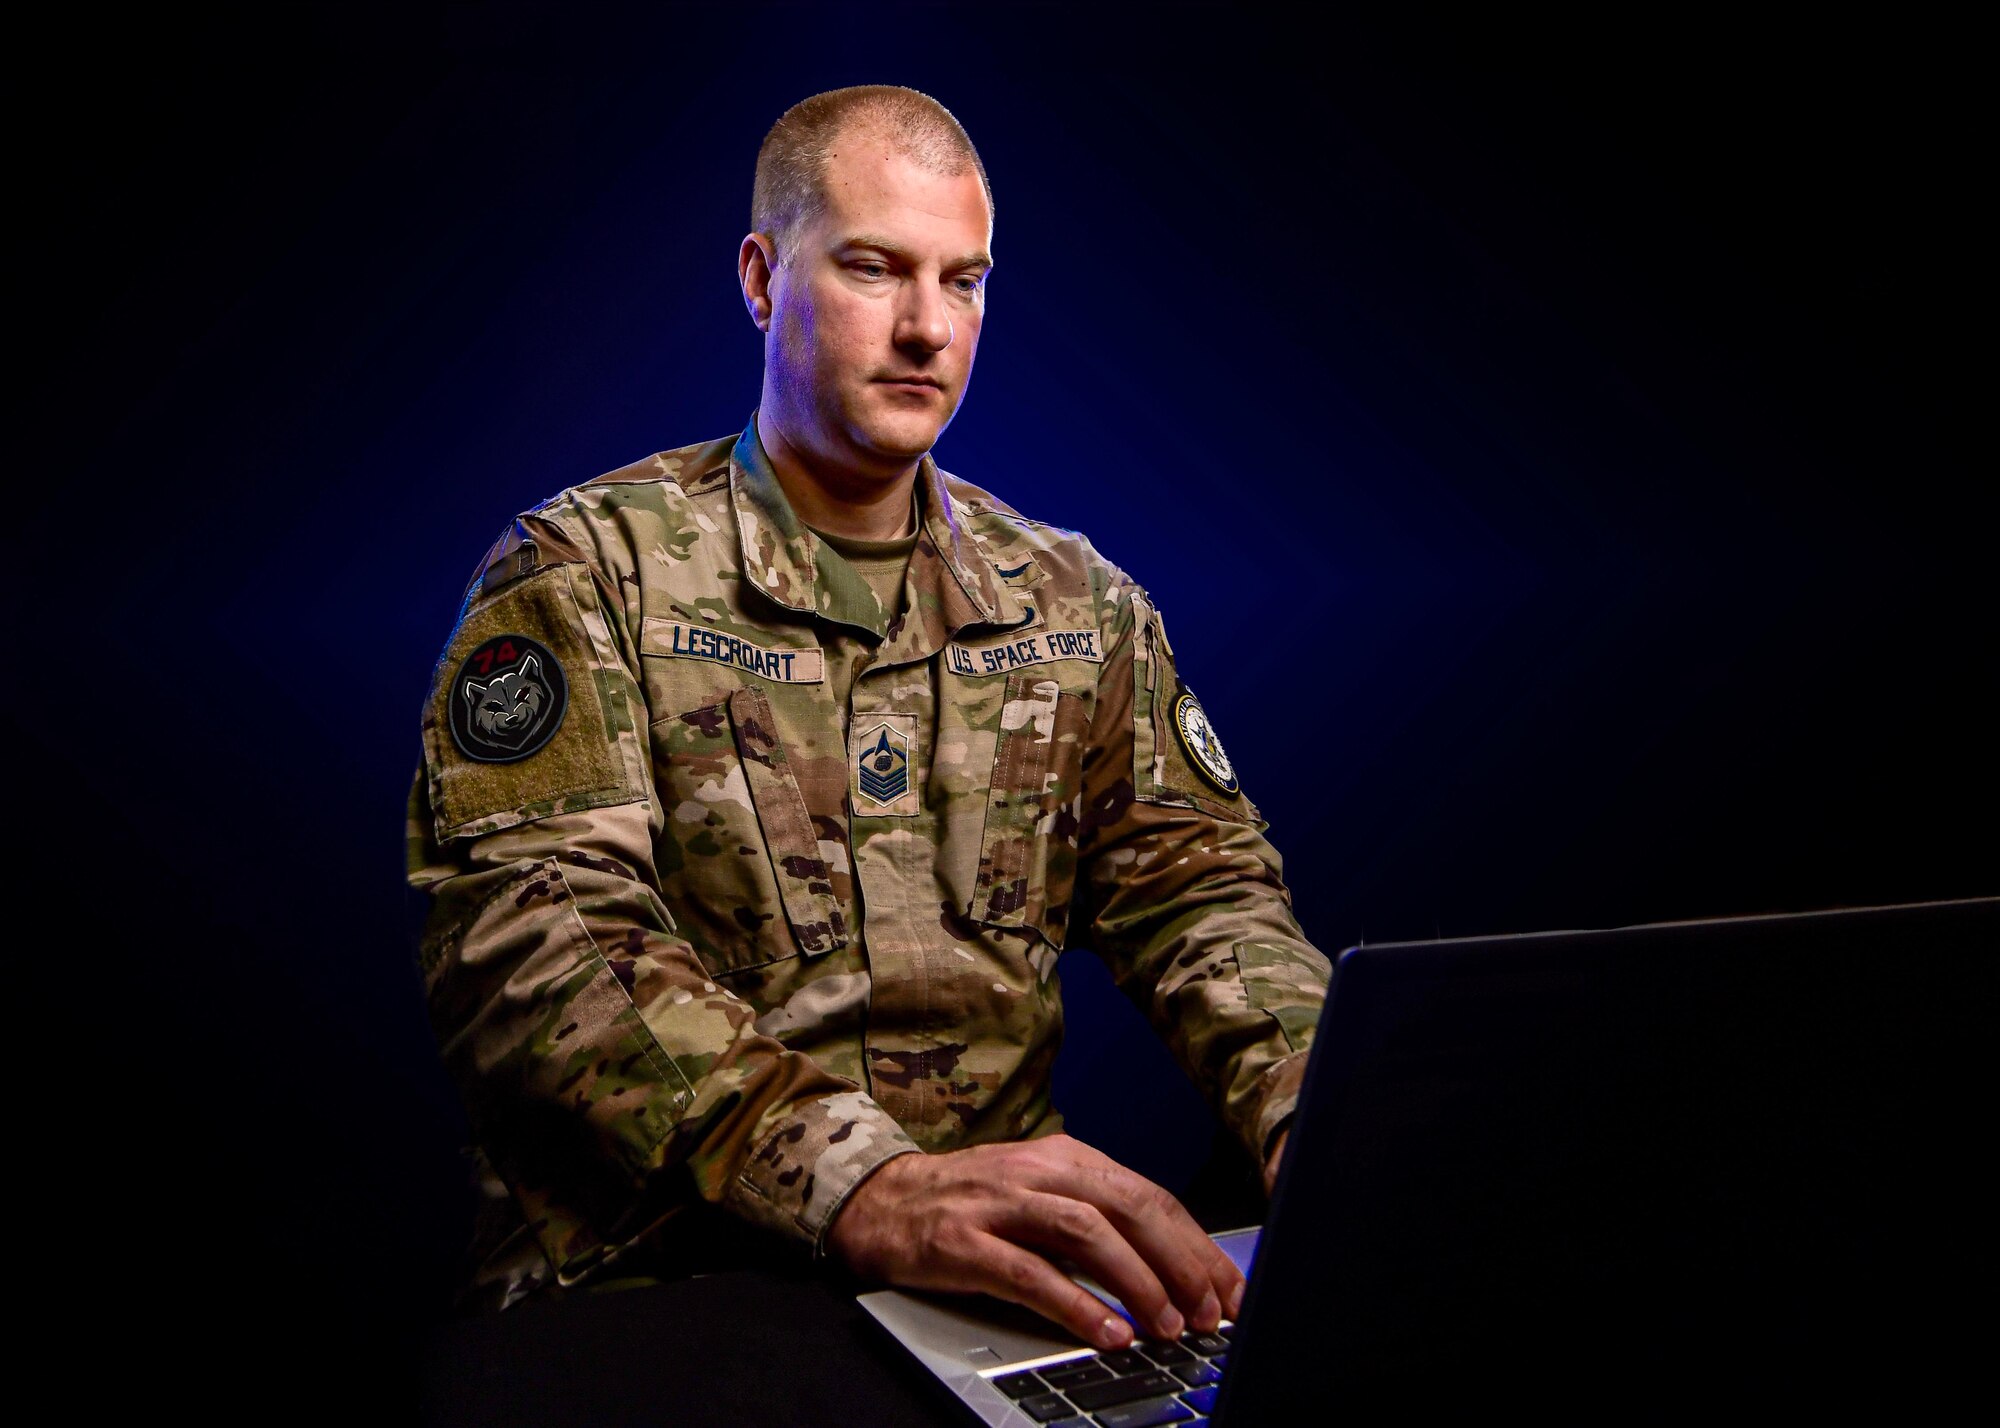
pixel 954 581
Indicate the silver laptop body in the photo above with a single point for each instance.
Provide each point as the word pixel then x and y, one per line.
pixel 968 1341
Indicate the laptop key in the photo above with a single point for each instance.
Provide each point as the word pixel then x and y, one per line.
pixel 1123 1361
pixel 1200 1399
pixel 1019 1385
pixel 1095 1396
pixel 1165 1354
pixel 1196 1374
pixel 1046 1407
pixel 1205 1343
pixel 1067 1376
pixel 1147 1414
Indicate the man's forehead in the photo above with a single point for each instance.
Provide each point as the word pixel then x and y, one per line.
pixel 872 191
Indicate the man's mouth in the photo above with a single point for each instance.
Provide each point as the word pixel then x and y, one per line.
pixel 931 382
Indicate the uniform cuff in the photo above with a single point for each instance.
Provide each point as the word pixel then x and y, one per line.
pixel 1277 1099
pixel 810 1163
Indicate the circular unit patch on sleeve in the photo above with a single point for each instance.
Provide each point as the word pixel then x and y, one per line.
pixel 507 700
pixel 1203 749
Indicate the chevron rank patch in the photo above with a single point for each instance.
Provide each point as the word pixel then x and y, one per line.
pixel 1203 749
pixel 885 785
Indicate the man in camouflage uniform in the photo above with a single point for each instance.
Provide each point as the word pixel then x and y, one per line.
pixel 765 778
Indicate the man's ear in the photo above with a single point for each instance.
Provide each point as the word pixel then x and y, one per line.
pixel 754 262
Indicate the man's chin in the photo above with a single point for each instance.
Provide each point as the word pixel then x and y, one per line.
pixel 897 441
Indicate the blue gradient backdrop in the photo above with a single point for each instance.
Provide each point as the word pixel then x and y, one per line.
pixel 1554 450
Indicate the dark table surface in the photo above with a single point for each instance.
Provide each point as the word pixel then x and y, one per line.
pixel 766 1341
pixel 741 1348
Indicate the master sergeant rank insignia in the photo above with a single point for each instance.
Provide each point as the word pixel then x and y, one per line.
pixel 883 786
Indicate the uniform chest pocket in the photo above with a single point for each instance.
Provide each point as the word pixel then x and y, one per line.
pixel 738 861
pixel 1027 853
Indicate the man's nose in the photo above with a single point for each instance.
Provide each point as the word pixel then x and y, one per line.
pixel 923 322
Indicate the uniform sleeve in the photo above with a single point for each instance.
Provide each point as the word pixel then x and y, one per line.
pixel 605 1075
pixel 1181 894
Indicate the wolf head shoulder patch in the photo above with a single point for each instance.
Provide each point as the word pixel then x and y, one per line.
pixel 507 700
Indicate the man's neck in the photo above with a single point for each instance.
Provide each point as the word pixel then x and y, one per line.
pixel 845 505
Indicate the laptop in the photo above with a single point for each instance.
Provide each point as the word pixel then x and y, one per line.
pixel 1704 1167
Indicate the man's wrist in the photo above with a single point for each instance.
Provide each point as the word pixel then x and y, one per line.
pixel 822 1242
pixel 810 1158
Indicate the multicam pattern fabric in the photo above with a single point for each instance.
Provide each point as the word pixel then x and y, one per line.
pixel 677 959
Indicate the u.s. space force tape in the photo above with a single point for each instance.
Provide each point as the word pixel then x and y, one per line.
pixel 1042 647
pixel 678 641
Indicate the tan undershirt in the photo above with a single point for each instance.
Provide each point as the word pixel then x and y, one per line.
pixel 882 563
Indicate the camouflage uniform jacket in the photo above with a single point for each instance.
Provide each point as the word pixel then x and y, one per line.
pixel 712 937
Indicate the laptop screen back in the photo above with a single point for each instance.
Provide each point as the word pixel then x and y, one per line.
pixel 1610 1170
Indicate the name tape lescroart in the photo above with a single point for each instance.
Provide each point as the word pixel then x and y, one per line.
pixel 675 640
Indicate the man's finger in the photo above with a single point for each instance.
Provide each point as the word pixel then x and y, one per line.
pixel 1164 1234
pixel 1025 1278
pixel 1227 1279
pixel 1208 1285
pixel 1078 1231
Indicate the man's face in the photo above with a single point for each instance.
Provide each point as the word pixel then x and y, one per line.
pixel 875 315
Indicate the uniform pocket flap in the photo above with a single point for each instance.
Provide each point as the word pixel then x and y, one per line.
pixel 802 873
pixel 1028 848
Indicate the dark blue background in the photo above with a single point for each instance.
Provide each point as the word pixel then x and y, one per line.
pixel 1553 448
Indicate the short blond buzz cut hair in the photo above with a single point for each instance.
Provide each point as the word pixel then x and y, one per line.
pixel 790 188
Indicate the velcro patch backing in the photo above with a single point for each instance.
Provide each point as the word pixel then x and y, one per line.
pixel 592 759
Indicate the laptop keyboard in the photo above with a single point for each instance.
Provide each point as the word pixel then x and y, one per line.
pixel 1149 1384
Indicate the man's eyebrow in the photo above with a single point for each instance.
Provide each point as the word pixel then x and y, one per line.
pixel 982 259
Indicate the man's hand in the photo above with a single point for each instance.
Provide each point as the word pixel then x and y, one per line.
pixel 1277 1159
pixel 990 1218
